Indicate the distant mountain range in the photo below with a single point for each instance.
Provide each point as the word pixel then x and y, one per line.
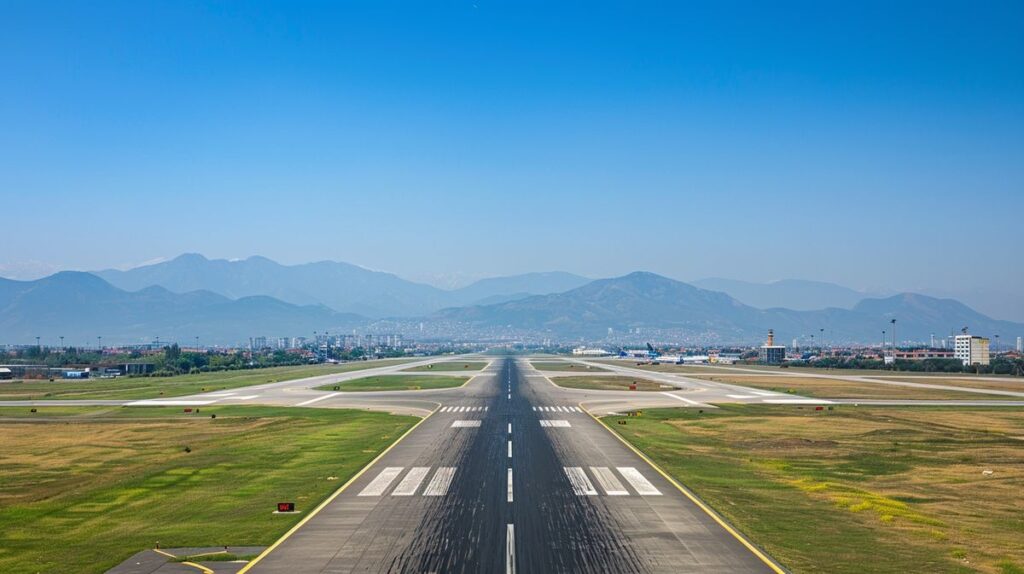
pixel 80 307
pixel 225 302
pixel 796 294
pixel 649 302
pixel 343 287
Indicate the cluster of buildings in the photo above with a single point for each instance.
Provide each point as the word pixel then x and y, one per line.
pixel 969 349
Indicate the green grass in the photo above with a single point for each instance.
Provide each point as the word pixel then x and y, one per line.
pixel 449 366
pixel 153 387
pixel 84 494
pixel 608 383
pixel 555 366
pixel 397 383
pixel 822 490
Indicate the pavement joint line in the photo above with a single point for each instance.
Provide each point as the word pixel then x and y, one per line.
pixel 318 399
pixel 685 400
pixel 331 498
pixel 768 561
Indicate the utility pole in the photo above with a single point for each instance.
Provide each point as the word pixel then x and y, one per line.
pixel 62 343
pixel 99 343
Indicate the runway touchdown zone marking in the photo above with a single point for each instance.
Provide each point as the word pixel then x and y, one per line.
pixel 466 424
pixel 580 482
pixel 557 424
pixel 438 485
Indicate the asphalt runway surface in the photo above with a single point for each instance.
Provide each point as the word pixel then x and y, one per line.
pixel 483 486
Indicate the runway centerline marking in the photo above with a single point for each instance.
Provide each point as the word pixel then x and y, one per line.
pixel 379 484
pixel 510 449
pixel 510 485
pixel 509 428
pixel 510 550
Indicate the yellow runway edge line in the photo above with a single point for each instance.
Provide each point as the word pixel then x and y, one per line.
pixel 693 498
pixel 332 496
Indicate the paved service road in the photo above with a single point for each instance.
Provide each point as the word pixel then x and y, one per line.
pixel 510 474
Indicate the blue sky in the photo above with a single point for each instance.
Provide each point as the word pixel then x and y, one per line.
pixel 879 145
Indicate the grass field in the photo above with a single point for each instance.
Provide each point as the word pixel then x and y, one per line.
pixel 904 490
pixel 564 366
pixel 153 387
pixel 92 486
pixel 1016 385
pixel 449 366
pixel 837 389
pixel 608 383
pixel 397 383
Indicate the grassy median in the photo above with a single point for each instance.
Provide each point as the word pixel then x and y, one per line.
pixel 449 366
pixel 842 389
pixel 84 488
pixel 397 383
pixel 609 383
pixel 155 387
pixel 901 489
pixel 556 366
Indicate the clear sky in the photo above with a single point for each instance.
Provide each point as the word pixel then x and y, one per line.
pixel 875 144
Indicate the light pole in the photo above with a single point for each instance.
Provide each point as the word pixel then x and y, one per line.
pixel 99 343
pixel 62 343
pixel 38 346
pixel 883 340
pixel 821 341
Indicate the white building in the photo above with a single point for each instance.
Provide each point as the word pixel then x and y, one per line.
pixel 1020 344
pixel 971 349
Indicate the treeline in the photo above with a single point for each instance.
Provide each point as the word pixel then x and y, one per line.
pixel 998 366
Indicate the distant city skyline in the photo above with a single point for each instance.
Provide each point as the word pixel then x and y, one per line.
pixel 878 146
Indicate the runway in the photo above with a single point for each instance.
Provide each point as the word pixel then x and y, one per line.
pixel 510 476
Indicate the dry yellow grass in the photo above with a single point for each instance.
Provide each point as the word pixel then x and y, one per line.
pixel 838 389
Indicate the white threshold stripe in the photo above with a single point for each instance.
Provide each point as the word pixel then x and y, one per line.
pixel 798 401
pixel 637 480
pixel 465 424
pixel 510 550
pixel 169 403
pixel 438 485
pixel 510 485
pixel 411 481
pixel 379 484
pixel 677 397
pixel 608 481
pixel 318 399
pixel 581 484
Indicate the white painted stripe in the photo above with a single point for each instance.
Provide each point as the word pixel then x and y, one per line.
pixel 486 409
pixel 318 399
pixel 509 428
pixel 510 449
pixel 510 550
pixel 462 409
pixel 641 484
pixel 608 481
pixel 510 396
pixel 559 423
pixel 581 485
pixel 577 409
pixel 219 395
pixel 245 398
pixel 438 485
pixel 797 401
pixel 378 485
pixel 465 424
pixel 764 393
pixel 687 401
pixel 169 403
pixel 742 396
pixel 535 408
pixel 510 485
pixel 411 481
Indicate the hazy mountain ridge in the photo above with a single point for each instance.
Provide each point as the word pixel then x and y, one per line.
pixel 341 286
pixel 81 306
pixel 646 301
pixel 796 294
